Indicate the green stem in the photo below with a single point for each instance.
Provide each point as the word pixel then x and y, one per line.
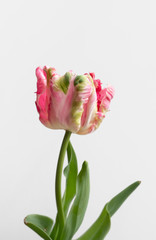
pixel 63 149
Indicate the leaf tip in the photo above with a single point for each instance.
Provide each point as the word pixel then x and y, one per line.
pixel 25 221
pixel 138 183
pixel 85 164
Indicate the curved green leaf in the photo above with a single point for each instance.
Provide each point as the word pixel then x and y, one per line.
pixel 101 226
pixel 70 172
pixel 118 200
pixel 42 225
pixel 79 206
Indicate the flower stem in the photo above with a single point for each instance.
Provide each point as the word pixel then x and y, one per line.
pixel 58 180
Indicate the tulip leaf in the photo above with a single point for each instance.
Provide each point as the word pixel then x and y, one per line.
pixel 70 172
pixel 78 209
pixel 42 225
pixel 118 200
pixel 101 226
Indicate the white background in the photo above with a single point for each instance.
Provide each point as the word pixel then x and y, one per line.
pixel 116 39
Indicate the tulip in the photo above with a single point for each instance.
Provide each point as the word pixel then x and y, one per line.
pixel 76 103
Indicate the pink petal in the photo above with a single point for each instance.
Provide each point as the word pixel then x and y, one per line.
pixel 60 106
pixel 41 80
pixel 42 96
pixel 105 97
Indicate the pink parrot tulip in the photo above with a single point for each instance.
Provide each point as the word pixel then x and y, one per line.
pixel 76 103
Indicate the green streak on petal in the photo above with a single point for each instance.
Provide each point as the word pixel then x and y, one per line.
pixel 76 81
pixel 49 74
pixel 80 82
pixel 76 112
pixel 77 117
pixel 63 83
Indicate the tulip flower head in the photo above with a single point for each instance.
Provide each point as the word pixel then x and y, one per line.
pixel 76 103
